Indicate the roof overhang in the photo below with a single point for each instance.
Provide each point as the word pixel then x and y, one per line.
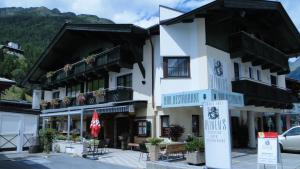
pixel 71 36
pixel 272 14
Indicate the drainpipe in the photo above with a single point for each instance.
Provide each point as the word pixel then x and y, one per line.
pixel 152 70
pixel 153 97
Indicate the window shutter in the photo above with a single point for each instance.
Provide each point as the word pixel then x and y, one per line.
pixel 148 128
pixel 165 67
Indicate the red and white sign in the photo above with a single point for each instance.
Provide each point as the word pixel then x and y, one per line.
pixel 95 125
pixel 268 151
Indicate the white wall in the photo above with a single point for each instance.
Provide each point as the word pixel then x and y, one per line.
pixel 181 40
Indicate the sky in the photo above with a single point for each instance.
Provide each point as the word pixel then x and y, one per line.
pixel 143 13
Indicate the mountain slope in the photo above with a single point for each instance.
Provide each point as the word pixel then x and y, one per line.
pixel 34 28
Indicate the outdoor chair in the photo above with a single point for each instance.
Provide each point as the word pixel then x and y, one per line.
pixel 143 150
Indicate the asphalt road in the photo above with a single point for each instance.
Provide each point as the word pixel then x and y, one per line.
pixel 60 161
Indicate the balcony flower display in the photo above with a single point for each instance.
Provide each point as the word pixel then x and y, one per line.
pixel 49 74
pixel 81 98
pixel 67 68
pixel 44 104
pixel 66 101
pixel 90 59
pixel 54 103
pixel 99 93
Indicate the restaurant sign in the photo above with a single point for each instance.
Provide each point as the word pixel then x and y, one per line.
pixel 197 98
pixel 217 134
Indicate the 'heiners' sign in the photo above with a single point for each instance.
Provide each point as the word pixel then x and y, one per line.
pixel 217 134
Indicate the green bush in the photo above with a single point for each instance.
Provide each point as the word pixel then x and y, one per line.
pixel 46 137
pixel 195 144
pixel 154 141
pixel 60 137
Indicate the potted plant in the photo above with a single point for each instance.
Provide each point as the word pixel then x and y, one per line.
pixel 44 104
pixel 67 68
pixel 66 101
pixel 90 59
pixel 81 98
pixel 46 137
pixel 49 75
pixel 154 148
pixel 174 132
pixel 54 103
pixel 99 94
pixel 195 148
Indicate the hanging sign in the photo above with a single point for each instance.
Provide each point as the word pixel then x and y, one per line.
pixel 217 134
pixel 268 148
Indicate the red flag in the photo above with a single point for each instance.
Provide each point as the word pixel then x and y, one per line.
pixel 95 125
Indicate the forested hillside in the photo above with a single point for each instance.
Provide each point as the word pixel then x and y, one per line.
pixel 33 29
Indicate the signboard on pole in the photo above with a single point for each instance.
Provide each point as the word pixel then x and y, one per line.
pixel 268 148
pixel 217 134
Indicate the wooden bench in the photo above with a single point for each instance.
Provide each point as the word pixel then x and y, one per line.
pixel 136 142
pixel 174 148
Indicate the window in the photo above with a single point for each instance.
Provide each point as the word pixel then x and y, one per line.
pixel 142 128
pixel 55 95
pixel 258 75
pixel 176 67
pixel 195 125
pixel 273 80
pixel 236 71
pixel 250 73
pixel 124 81
pixel 165 124
pixel 94 85
pixel 74 90
pixel 294 132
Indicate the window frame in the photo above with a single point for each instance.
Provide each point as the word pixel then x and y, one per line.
pixel 236 65
pixel 258 74
pixel 276 80
pixel 166 68
pixel 162 133
pixel 251 73
pixel 55 94
pixel 144 126
pixel 124 78
pixel 197 127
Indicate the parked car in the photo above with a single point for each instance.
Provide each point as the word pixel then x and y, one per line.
pixel 290 139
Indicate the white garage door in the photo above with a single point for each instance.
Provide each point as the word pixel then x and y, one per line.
pixel 16 130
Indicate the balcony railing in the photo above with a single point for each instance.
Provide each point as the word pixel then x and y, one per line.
pixel 110 60
pixel 259 94
pixel 90 98
pixel 252 49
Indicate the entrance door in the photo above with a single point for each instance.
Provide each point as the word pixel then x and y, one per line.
pixel 10 131
pixel 122 128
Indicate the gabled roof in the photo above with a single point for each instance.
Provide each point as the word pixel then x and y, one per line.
pixel 259 6
pixel 64 40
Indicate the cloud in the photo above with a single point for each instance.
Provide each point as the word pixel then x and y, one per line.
pixel 141 12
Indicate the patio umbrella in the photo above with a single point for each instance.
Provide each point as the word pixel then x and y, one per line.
pixel 95 125
pixel 95 128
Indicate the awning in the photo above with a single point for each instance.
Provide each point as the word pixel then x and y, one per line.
pixel 114 109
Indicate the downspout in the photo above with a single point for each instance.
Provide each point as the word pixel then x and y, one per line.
pixel 153 134
pixel 152 70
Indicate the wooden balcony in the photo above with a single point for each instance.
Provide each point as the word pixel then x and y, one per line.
pixel 256 51
pixel 110 60
pixel 258 94
pixel 116 95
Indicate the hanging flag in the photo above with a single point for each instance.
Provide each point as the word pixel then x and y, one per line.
pixel 95 125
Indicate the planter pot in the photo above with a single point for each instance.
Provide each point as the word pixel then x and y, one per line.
pixel 154 152
pixel 195 158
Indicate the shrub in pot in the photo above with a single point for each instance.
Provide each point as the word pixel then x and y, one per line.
pixel 46 138
pixel 154 148
pixel 195 148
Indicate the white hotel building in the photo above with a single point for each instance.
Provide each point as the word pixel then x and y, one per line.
pixel 233 50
